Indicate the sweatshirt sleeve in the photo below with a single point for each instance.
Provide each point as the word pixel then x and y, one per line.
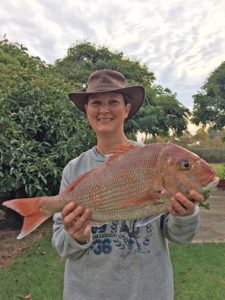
pixel 66 245
pixel 180 230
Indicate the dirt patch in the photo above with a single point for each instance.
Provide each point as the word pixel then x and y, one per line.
pixel 212 229
pixel 10 247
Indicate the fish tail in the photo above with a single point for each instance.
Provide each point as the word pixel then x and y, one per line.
pixel 33 211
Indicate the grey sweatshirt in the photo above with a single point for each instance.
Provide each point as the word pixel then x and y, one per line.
pixel 120 261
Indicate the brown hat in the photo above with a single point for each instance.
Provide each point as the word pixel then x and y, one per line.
pixel 103 81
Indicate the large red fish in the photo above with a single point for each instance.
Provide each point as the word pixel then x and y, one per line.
pixel 135 182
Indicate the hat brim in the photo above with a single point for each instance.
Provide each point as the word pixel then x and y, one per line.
pixel 134 93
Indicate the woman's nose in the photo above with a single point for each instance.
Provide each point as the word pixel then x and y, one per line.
pixel 104 107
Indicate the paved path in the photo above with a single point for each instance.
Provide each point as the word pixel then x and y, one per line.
pixel 212 221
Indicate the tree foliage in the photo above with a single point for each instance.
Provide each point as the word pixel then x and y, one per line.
pixel 161 113
pixel 40 129
pixel 209 103
pixel 85 58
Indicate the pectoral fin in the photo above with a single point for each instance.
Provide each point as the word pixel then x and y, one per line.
pixel 145 221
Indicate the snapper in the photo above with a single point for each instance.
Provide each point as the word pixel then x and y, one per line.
pixel 136 182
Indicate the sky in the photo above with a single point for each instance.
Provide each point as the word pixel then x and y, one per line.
pixel 180 41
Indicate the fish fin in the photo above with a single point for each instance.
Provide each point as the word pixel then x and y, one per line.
pixel 124 149
pixel 31 209
pixel 145 221
pixel 119 150
pixel 76 181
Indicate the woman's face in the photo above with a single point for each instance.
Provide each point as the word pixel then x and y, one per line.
pixel 106 112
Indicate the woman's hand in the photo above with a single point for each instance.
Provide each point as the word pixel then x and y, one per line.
pixel 76 222
pixel 181 206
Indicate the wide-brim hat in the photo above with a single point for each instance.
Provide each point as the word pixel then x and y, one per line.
pixel 103 81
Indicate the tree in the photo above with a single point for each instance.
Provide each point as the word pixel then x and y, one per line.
pixel 85 58
pixel 209 103
pixel 161 111
pixel 161 114
pixel 40 128
pixel 214 133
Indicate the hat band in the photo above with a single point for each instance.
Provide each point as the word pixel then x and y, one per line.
pixel 104 88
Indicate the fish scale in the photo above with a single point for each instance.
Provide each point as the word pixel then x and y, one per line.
pixel 135 182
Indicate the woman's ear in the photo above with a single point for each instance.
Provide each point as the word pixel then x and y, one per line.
pixel 128 108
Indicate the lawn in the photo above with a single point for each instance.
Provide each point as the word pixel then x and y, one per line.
pixel 39 270
pixel 199 273
pixel 220 169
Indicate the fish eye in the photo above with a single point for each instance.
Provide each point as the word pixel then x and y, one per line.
pixel 185 164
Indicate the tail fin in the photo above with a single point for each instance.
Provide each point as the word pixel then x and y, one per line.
pixel 32 210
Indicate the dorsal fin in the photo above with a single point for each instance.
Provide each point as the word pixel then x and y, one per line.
pixel 120 150
pixel 124 149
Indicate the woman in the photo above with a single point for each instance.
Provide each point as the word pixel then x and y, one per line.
pixel 117 260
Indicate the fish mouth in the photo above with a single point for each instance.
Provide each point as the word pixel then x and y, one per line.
pixel 211 185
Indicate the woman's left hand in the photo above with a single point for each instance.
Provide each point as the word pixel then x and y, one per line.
pixel 181 206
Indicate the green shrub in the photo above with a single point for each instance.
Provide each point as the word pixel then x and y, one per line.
pixel 40 128
pixel 211 155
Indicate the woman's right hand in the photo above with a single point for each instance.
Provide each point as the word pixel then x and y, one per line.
pixel 76 222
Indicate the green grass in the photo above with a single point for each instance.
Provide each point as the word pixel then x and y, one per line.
pixel 219 167
pixel 39 270
pixel 199 273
